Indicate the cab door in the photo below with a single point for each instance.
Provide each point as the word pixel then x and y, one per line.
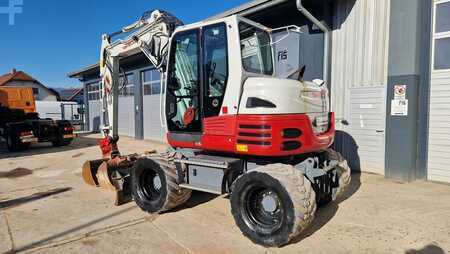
pixel 183 111
pixel 215 68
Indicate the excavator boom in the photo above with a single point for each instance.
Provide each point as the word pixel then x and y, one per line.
pixel 149 35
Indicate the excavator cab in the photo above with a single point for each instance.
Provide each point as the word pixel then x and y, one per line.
pixel 222 94
pixel 200 68
pixel 197 77
pixel 207 64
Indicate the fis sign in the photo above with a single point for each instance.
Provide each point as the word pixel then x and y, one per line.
pixel 282 55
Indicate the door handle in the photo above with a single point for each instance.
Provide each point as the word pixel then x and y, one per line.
pixel 379 131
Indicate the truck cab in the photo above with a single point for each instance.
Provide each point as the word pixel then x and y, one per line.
pixel 20 125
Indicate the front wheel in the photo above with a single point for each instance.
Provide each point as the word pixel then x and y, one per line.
pixel 272 204
pixel 154 187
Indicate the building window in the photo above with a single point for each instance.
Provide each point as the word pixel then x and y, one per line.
pixel 94 91
pixel 441 35
pixel 151 82
pixel 35 91
pixel 442 53
pixel 126 87
pixel 442 17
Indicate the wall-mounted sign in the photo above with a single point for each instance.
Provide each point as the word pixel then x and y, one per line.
pixel 399 92
pixel 399 107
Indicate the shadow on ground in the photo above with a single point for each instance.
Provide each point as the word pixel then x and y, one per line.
pixel 16 173
pixel 81 141
pixel 51 239
pixel 197 198
pixel 429 249
pixel 31 198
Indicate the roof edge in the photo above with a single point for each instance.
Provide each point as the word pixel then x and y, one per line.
pixel 77 73
pixel 238 9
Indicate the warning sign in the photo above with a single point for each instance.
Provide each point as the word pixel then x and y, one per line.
pixel 399 92
pixel 399 107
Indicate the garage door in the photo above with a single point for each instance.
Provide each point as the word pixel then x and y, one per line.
pixel 126 108
pixel 95 106
pixel 366 124
pixel 439 130
pixel 151 90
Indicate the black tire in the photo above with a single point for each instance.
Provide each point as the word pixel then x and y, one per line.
pixel 12 142
pixel 292 210
pixel 153 196
pixel 61 142
pixel 343 172
pixel 25 146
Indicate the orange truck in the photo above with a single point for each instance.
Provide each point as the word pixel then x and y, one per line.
pixel 21 126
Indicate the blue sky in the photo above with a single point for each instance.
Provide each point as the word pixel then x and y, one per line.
pixel 51 38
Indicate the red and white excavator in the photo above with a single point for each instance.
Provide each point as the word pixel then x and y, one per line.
pixel 233 127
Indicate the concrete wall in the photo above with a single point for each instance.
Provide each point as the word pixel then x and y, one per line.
pixel 44 94
pixel 409 64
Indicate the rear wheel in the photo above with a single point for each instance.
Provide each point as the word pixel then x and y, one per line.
pixel 61 142
pixel 154 187
pixel 343 173
pixel 272 204
pixel 25 146
pixel 13 143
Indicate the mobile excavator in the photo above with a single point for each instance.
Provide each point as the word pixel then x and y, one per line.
pixel 232 126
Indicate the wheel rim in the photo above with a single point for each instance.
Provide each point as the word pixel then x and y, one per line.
pixel 262 208
pixel 151 185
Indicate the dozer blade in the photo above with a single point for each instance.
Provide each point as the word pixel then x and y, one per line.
pixel 89 171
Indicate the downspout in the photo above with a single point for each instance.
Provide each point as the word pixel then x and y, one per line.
pixel 326 40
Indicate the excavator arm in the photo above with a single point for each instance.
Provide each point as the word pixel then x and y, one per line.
pixel 149 35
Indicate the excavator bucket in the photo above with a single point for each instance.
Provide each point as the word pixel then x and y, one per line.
pixel 89 171
pixel 104 177
pixel 111 175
